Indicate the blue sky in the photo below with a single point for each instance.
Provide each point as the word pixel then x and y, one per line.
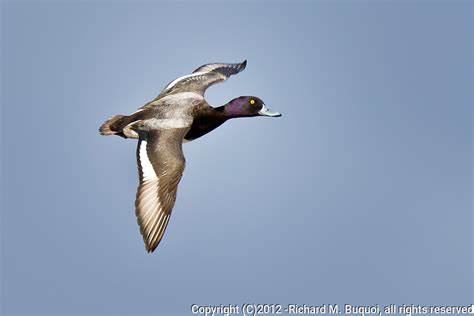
pixel 361 193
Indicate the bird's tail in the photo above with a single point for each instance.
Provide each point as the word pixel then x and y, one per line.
pixel 112 125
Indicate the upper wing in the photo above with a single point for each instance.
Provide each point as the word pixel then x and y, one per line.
pixel 160 167
pixel 202 78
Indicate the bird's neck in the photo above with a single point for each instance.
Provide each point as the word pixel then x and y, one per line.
pixel 229 111
pixel 205 121
pixel 220 111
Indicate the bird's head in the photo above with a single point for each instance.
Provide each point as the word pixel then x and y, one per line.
pixel 247 106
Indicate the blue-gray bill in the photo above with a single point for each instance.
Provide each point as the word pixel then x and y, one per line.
pixel 267 112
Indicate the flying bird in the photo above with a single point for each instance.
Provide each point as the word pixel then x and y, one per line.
pixel 178 114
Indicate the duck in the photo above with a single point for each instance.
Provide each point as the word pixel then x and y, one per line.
pixel 179 114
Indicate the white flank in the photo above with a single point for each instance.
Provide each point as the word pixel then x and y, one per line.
pixel 147 168
pixel 169 123
pixel 172 83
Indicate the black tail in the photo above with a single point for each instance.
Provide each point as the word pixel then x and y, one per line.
pixel 112 126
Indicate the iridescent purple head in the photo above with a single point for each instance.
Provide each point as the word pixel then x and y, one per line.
pixel 248 106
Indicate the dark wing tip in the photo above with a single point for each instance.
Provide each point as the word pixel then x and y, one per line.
pixel 231 69
pixel 150 246
pixel 223 68
pixel 240 66
pixel 150 249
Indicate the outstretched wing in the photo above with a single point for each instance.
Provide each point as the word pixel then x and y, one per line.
pixel 160 167
pixel 226 69
pixel 202 78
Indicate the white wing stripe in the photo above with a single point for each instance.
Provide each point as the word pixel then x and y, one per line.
pixel 172 83
pixel 147 169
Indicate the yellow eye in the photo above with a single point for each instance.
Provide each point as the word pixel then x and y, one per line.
pixel 252 101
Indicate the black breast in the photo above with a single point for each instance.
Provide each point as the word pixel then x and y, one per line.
pixel 205 120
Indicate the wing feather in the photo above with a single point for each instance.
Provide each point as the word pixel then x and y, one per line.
pixel 202 78
pixel 161 164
